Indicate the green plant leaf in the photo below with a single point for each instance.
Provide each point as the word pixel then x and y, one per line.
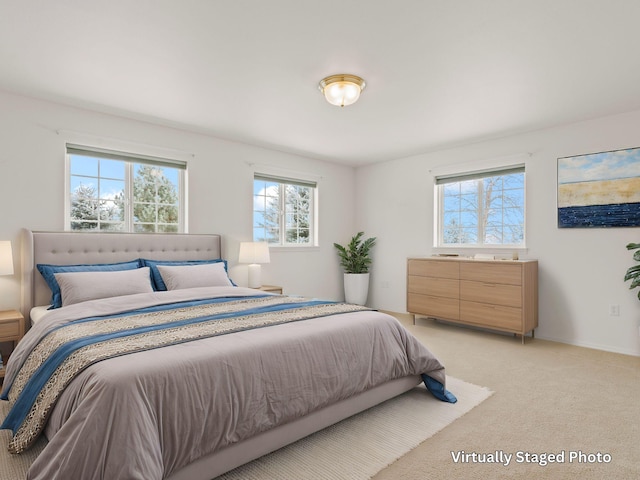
pixel 356 256
pixel 633 272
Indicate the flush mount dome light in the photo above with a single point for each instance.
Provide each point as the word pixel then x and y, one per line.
pixel 341 90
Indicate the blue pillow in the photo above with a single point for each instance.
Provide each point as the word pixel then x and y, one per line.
pixel 48 273
pixel 158 283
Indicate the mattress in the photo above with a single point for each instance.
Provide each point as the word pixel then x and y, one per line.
pixel 37 313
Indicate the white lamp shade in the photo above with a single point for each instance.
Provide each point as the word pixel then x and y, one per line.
pixel 6 258
pixel 254 252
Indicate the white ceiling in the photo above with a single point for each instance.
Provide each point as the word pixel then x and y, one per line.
pixel 439 73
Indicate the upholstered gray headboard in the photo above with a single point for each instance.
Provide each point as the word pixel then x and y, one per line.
pixel 69 248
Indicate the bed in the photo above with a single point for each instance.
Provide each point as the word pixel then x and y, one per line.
pixel 212 377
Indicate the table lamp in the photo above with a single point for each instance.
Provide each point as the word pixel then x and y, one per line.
pixel 254 253
pixel 6 258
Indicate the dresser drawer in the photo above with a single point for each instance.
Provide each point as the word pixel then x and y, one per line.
pixel 492 272
pixel 430 306
pixel 492 316
pixel 434 268
pixel 437 287
pixel 9 331
pixel 496 293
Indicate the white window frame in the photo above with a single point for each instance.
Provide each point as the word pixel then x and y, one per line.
pixel 130 160
pixel 313 222
pixel 441 180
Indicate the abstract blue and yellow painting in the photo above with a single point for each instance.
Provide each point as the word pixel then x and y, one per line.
pixel 599 190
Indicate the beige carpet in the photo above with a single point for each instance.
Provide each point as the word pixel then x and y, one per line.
pixel 549 397
pixel 14 467
pixel 355 448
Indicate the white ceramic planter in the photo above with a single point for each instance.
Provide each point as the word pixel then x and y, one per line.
pixel 356 288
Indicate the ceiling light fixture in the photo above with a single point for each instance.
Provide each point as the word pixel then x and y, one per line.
pixel 341 90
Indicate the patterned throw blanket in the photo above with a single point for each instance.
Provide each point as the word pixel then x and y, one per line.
pixel 67 350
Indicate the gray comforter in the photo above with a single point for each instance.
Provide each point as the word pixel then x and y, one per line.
pixel 147 414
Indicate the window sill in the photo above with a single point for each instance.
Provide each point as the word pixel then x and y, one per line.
pixel 470 251
pixel 291 248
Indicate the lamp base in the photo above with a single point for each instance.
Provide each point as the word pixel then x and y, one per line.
pixel 254 275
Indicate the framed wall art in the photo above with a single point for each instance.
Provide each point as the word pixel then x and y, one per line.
pixel 599 190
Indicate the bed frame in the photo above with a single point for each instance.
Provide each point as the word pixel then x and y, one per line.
pixel 68 248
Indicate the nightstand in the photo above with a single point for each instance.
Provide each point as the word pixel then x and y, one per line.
pixel 11 330
pixel 271 288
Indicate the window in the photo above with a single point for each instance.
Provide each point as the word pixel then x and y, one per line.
pixel 283 211
pixel 481 208
pixel 117 191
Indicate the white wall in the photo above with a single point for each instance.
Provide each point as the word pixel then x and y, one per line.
pixel 32 158
pixel 581 271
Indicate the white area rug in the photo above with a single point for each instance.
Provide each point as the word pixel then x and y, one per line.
pixel 359 447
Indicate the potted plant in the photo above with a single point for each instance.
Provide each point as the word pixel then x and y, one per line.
pixel 355 259
pixel 633 273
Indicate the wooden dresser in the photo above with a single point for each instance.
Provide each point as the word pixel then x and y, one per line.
pixel 496 294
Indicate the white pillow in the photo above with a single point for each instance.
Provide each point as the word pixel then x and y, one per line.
pixel 79 287
pixel 177 277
